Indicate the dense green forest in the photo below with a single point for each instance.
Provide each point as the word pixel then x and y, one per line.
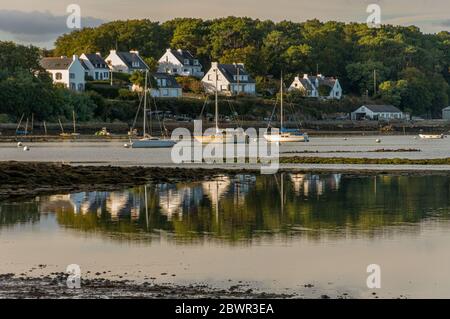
pixel 412 68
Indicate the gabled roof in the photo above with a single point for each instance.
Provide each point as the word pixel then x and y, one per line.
pixel 327 81
pixel 230 70
pixel 171 82
pixel 182 55
pixel 61 63
pixel 96 59
pixel 383 108
pixel 306 84
pixel 129 58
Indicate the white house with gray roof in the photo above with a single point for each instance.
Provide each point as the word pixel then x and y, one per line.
pixel 69 72
pixel 318 86
pixel 167 86
pixel 180 62
pixel 97 68
pixel 230 79
pixel 378 112
pixel 125 62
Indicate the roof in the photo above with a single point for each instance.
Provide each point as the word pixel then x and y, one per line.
pixel 306 84
pixel 129 58
pixel 327 81
pixel 230 70
pixel 96 60
pixel 383 108
pixel 183 55
pixel 61 63
pixel 171 82
pixel 446 108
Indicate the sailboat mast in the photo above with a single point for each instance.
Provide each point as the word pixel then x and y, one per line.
pixel 217 104
pixel 281 122
pixel 73 118
pixel 145 104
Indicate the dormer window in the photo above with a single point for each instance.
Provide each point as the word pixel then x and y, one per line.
pixel 195 62
pixel 186 61
pixel 135 64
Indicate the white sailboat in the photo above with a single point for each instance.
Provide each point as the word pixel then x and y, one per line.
pixel 148 141
pixel 221 135
pixel 285 135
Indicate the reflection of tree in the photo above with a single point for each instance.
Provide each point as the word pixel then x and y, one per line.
pixel 17 213
pixel 240 208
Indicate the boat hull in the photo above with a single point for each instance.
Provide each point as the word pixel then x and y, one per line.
pixel 220 139
pixel 286 138
pixel 153 143
pixel 431 137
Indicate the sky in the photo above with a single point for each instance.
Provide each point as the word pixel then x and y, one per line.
pixel 41 22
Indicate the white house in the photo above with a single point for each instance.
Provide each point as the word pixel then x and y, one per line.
pixel 69 72
pixel 126 62
pixel 180 62
pixel 97 68
pixel 229 79
pixel 378 112
pixel 318 86
pixel 446 113
pixel 167 86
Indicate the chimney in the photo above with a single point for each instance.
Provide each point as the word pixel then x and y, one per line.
pixel 169 50
pixel 98 53
pixel 75 57
pixel 305 76
pixel 180 51
pixel 214 65
pixel 112 51
pixel 135 52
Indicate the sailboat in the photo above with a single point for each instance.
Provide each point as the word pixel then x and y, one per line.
pixel 286 135
pixel 148 141
pixel 221 135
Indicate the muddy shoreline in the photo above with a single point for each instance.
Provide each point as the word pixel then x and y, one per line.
pixel 30 179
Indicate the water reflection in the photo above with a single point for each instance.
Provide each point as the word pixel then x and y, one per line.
pixel 244 207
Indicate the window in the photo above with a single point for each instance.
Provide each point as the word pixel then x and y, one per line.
pixel 210 77
pixel 96 76
pixel 58 76
pixel 80 87
pixel 195 62
pixel 186 61
pixel 72 86
pixel 165 92
pixel 174 70
pixel 135 64
pixel 72 76
pixel 186 70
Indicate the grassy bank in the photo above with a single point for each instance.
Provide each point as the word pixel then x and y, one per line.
pixel 379 161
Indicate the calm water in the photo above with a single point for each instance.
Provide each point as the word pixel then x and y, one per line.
pixel 273 233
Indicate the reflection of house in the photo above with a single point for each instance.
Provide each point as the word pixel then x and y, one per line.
pixel 315 184
pixel 231 79
pixel 69 72
pixel 318 86
pixel 216 188
pixel 378 112
pixel 174 199
pixel 180 62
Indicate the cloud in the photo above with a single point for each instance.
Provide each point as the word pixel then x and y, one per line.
pixel 38 26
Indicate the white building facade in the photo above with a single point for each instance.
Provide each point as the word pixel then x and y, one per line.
pixel 318 86
pixel 69 72
pixel 97 68
pixel 229 79
pixel 167 86
pixel 180 62
pixel 125 62
pixel 378 112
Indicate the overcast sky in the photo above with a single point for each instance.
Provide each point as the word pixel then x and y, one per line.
pixel 40 22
